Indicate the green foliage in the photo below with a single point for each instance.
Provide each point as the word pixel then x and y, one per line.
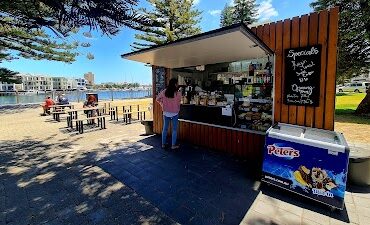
pixel 245 11
pixel 24 25
pixel 241 11
pixel 116 86
pixel 8 76
pixel 354 35
pixel 345 107
pixel 227 16
pixel 33 44
pixel 170 20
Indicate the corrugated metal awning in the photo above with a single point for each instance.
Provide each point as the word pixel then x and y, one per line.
pixel 228 44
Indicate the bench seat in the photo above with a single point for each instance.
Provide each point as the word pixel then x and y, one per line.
pixel 56 114
pixel 80 124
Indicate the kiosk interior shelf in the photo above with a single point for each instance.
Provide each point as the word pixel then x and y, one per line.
pixel 253 106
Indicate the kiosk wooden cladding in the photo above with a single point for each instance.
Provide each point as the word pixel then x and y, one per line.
pixel 315 28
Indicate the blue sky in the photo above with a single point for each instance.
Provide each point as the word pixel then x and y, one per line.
pixel 108 66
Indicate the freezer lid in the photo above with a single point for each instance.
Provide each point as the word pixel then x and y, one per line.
pixel 287 129
pixel 331 140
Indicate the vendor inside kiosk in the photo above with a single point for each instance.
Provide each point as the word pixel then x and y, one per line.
pixel 236 94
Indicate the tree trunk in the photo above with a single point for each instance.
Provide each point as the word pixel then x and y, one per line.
pixel 364 106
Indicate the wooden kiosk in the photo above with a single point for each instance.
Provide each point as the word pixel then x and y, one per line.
pixel 235 43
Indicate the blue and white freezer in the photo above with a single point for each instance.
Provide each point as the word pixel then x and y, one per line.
pixel 308 161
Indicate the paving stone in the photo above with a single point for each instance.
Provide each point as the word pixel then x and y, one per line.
pixel 98 215
pixel 315 216
pixel 363 211
pixel 18 214
pixel 306 221
pixel 169 205
pixel 363 220
pixel 256 218
pixel 264 208
pixel 43 216
pixel 339 222
pixel 286 217
pixel 348 198
pixel 56 222
pixel 362 202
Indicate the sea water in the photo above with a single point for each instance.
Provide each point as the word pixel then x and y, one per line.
pixel 74 96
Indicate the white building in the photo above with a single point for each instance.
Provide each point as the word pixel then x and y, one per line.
pixel 10 87
pixel 71 84
pixel 36 83
pixel 81 83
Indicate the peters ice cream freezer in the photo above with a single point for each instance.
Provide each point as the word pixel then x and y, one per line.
pixel 310 162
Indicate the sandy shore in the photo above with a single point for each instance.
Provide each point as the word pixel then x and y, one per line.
pixel 27 123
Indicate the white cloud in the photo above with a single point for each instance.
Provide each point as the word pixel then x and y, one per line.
pixel 266 10
pixel 214 12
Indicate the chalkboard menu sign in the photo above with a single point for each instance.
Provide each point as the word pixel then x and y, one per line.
pixel 160 79
pixel 302 76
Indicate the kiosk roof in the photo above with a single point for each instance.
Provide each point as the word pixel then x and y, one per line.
pixel 227 44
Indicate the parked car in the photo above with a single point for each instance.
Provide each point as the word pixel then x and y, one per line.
pixel 355 87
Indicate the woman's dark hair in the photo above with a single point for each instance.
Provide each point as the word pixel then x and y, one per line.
pixel 171 88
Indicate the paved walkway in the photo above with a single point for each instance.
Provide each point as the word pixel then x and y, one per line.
pixel 117 176
pixel 197 186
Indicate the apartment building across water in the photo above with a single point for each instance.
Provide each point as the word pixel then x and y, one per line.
pixel 35 83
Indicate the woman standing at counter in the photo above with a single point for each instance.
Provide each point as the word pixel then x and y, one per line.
pixel 170 100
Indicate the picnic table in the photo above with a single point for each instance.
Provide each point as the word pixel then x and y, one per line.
pixel 59 109
pixel 127 112
pixel 55 107
pixel 73 113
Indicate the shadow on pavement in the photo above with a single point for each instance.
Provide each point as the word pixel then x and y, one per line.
pixel 43 183
pixel 191 185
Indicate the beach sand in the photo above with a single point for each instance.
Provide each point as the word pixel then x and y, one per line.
pixel 27 123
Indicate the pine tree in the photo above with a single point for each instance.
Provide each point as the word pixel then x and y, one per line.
pixel 245 11
pixel 170 20
pixel 33 44
pixel 227 16
pixel 24 25
pixel 353 41
pixel 8 76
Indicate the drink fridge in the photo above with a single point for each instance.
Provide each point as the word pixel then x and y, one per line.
pixel 307 161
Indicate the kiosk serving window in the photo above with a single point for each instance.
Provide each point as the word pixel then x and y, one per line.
pixel 236 94
pixel 226 76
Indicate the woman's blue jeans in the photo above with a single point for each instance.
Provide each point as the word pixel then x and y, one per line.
pixel 166 123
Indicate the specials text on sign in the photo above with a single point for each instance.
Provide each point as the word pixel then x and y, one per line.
pixel 302 76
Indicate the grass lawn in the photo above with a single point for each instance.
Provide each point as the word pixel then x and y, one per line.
pixel 345 107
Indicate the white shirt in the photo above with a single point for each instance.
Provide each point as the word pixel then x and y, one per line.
pixel 169 114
